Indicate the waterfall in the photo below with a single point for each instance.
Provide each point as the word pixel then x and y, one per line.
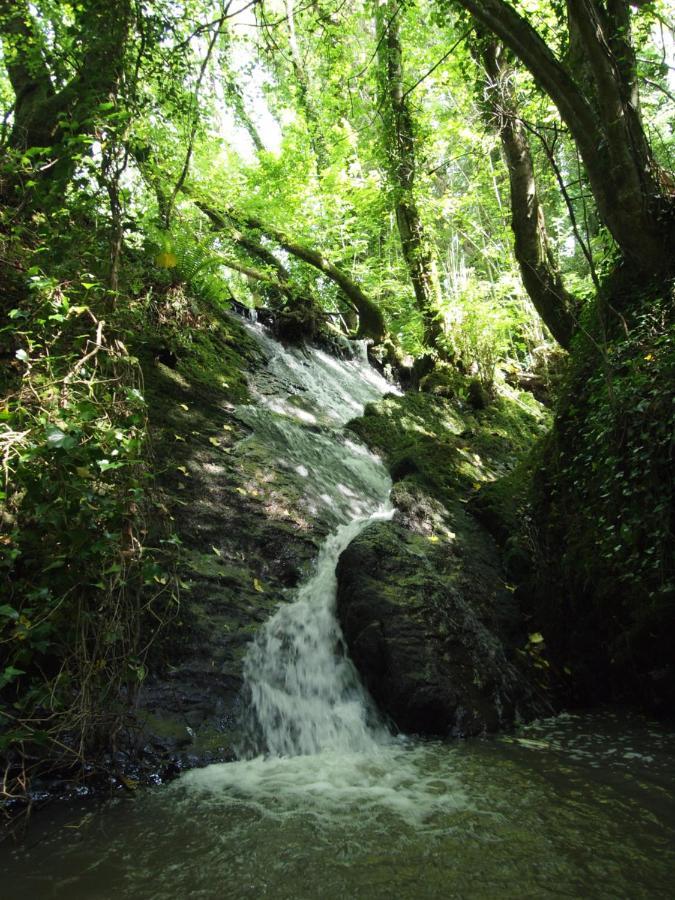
pixel 304 693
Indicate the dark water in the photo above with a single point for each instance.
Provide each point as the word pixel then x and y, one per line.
pixel 578 806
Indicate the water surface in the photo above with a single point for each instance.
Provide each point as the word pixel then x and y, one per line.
pixel 578 806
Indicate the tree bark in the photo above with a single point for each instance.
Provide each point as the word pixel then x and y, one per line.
pixel 399 145
pixel 371 320
pixel 635 197
pixel 234 96
pixel 304 92
pixel 253 247
pixel 540 273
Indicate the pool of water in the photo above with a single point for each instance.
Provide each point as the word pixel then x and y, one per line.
pixel 575 806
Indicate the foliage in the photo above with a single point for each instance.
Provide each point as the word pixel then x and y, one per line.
pixel 87 595
pixel 110 131
pixel 603 500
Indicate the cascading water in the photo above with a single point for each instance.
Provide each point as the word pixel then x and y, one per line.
pixel 305 695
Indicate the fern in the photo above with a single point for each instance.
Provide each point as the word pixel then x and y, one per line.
pixel 197 263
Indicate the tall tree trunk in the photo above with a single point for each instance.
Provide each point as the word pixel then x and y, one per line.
pixel 635 197
pixel 540 273
pixel 304 92
pixel 399 144
pixel 235 99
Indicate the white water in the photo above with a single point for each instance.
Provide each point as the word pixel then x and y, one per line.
pixel 317 745
pixel 305 694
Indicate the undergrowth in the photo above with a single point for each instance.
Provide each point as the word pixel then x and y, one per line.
pixel 87 595
pixel 604 503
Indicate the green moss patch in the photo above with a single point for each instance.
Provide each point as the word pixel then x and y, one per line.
pixel 447 447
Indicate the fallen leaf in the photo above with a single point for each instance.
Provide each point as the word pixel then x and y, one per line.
pixel 258 586
pixel 216 551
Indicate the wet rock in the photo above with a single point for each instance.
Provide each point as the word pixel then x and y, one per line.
pixel 430 625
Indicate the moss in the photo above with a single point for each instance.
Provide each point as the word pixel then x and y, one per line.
pixel 446 446
pixel 217 356
pixel 442 381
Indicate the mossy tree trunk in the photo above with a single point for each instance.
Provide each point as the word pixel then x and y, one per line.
pixel 305 94
pixel 56 117
pixel 399 145
pixel 372 323
pixel 634 195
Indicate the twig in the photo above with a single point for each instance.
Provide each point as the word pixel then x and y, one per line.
pixel 98 345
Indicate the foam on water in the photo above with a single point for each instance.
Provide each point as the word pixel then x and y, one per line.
pixel 397 779
pixel 304 695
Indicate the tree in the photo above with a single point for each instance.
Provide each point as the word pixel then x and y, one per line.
pixel 371 320
pixel 635 196
pixel 541 275
pixel 55 112
pixel 398 137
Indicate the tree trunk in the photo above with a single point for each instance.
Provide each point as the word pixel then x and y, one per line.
pixel 635 198
pixel 253 247
pixel 371 320
pixel 40 110
pixel 538 267
pixel 234 97
pixel 399 145
pixel 304 92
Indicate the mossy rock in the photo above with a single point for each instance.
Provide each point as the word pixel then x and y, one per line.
pixel 425 620
pixel 442 381
pixel 447 446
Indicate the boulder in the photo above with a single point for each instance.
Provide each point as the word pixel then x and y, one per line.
pixel 430 625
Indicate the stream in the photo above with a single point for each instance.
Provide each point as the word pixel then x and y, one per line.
pixel 324 801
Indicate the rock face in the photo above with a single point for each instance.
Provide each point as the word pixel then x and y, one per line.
pixel 436 634
pixel 429 623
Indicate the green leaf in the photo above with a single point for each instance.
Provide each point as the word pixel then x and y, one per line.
pixel 59 439
pixel 8 611
pixel 9 674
